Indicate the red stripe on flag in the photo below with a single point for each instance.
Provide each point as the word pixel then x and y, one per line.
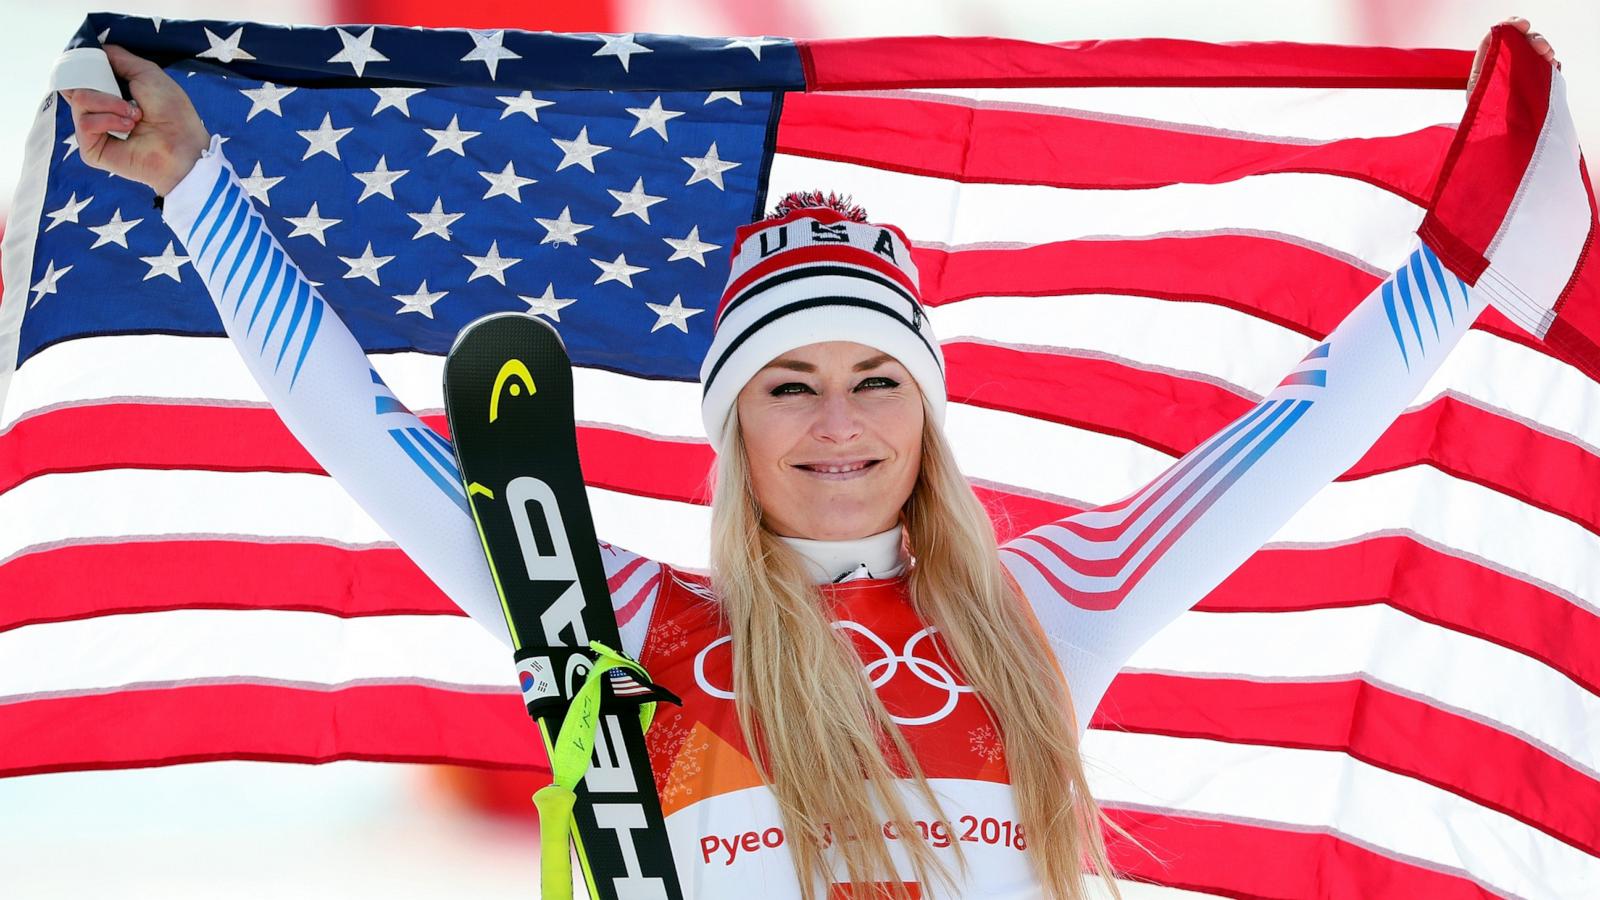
pixel 83 581
pixel 1241 859
pixel 1474 760
pixel 1576 331
pixel 200 723
pixel 1432 585
pixel 1174 415
pixel 1297 287
pixel 891 62
pixel 972 142
pixel 1476 189
pixel 135 576
pixel 1163 411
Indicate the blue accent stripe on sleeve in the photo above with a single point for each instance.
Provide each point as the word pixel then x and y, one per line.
pixel 275 270
pixel 384 404
pixel 1399 279
pixel 277 311
pixel 300 301
pixel 311 335
pixel 240 214
pixel 216 191
pixel 447 462
pixel 252 238
pixel 376 379
pixel 283 293
pixel 1394 321
pixel 1438 278
pixel 443 444
pixel 1419 277
pixel 255 265
pixel 453 490
pixel 1319 352
pixel 233 196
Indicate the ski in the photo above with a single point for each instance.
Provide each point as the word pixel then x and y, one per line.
pixel 508 397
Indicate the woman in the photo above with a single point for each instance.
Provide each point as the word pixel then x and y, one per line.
pixel 843 537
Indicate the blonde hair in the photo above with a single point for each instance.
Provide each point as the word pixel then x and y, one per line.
pixel 816 727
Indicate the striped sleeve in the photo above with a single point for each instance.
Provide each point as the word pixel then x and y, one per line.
pixel 321 384
pixel 1103 581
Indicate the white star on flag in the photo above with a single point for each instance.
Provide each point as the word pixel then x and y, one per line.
pixel 635 202
pixel 166 264
pixel 491 264
pixel 395 98
pixel 506 183
pixel 258 184
pixel 690 247
pixel 357 50
pixel 324 138
pixel 450 138
pixel 489 49
pixel 652 117
pixel 578 151
pixel 525 103
pixel 753 44
pixel 312 223
pixel 366 265
pixel 47 283
pixel 617 270
pixel 546 304
pixel 674 314
pixel 435 221
pixel 114 231
pixel 71 141
pixel 68 212
pixel 225 51
pixel 379 181
pixel 266 98
pixel 562 230
pixel 709 167
pixel 733 96
pixel 421 301
pixel 622 46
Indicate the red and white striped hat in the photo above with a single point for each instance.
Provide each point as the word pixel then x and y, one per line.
pixel 816 273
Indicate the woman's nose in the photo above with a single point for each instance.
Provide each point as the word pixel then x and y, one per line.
pixel 838 420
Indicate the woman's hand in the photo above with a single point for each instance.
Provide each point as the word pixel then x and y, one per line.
pixel 165 134
pixel 1534 38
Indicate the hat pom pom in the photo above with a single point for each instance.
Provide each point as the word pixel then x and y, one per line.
pixel 798 200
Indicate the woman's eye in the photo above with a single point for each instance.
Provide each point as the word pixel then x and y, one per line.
pixel 791 387
pixel 878 381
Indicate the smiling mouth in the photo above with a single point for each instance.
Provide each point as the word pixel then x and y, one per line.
pixel 838 470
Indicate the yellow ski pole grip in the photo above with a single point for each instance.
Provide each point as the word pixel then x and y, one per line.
pixel 555 828
pixel 569 760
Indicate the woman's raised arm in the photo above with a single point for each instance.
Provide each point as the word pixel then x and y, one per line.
pixel 311 368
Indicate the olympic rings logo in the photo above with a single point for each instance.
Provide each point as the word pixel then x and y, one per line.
pixel 879 671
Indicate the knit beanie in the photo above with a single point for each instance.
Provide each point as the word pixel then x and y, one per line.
pixel 817 271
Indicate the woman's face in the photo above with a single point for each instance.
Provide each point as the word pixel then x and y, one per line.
pixel 833 432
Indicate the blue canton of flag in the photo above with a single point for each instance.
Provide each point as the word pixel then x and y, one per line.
pixel 425 179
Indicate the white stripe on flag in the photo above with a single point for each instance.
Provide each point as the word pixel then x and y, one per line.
pixel 161 649
pixel 1484 680
pixel 1351 217
pixel 1279 113
pixel 1331 792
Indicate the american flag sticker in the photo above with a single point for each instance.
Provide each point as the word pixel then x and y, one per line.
pixel 537 679
pixel 625 683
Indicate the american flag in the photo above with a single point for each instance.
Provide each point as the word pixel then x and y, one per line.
pixel 1123 246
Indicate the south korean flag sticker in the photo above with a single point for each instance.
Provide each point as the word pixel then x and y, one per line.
pixel 537 679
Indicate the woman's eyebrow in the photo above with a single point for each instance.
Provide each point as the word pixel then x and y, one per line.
pixel 798 366
pixel 873 362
